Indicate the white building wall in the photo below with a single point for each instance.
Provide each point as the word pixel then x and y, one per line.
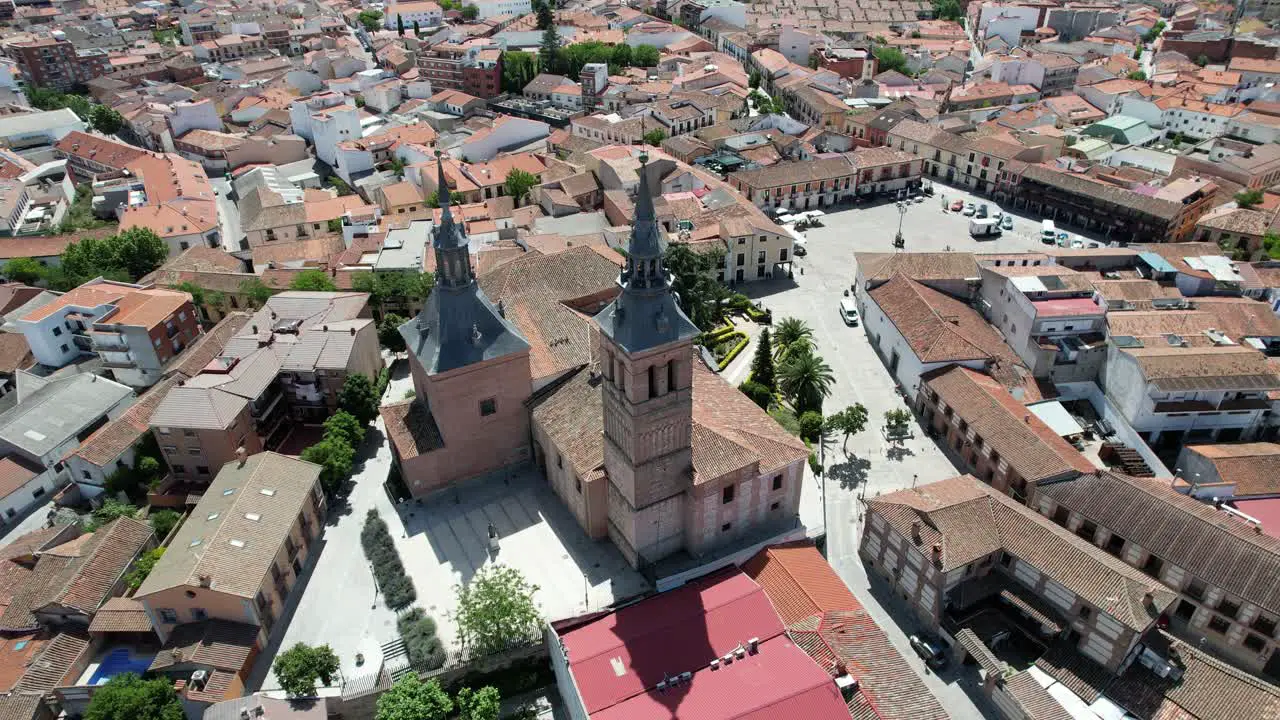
pixel 513 132
pixel 493 8
pixel 334 128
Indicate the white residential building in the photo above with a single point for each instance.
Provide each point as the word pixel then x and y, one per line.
pixel 507 133
pixel 494 8
pixel 426 14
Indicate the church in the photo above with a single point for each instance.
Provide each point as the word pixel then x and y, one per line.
pixel 560 361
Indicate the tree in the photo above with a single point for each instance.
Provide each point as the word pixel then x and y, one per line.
pixel 412 699
pixel 256 292
pixel 314 279
pixel 644 56
pixel 549 50
pixel 110 510
pixel 519 183
pixel 496 610
pixel 695 282
pixel 24 270
pixel 1137 75
pixel 298 668
pixel 139 250
pixel 896 420
pixel 758 393
pixel 417 30
pixel 142 568
pixel 753 81
pixel 620 56
pixel 470 12
pixel 335 458
pixel 1154 32
pixel 358 397
pixel 482 704
pixel 340 185
pixel 1271 244
pixel 129 697
pixel 397 166
pixel 399 24
pixel 105 120
pixel 162 521
pixel 849 421
pixel 433 200
pixel 389 332
pixel 518 69
pixel 806 379
pixel 947 10
pixel 810 425
pixel 890 58
pixel 343 425
pixel 546 18
pixel 1202 60
pixel 371 19
pixel 789 335
pixel 1248 198
pixel 654 137
pixel 762 370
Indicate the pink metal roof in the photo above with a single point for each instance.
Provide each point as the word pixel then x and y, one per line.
pixel 1267 511
pixel 1066 307
pixel 779 681
pixel 624 653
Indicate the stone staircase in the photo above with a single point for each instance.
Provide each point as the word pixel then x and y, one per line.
pixel 395 659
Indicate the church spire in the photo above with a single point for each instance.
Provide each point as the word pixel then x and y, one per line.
pixel 453 256
pixel 646 270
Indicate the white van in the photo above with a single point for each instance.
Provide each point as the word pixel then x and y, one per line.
pixel 849 312
pixel 984 227
pixel 1048 233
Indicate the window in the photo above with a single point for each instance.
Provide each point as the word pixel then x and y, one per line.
pixel 1228 608
pixel 727 495
pixel 1196 589
pixel 199 615
pixel 179 469
pixel 1255 643
pixel 653 382
pixel 559 461
pixel 1219 625
pixel 202 470
pixel 57 330
pixel 195 451
pixel 1264 625
pixel 1153 566
pixel 1006 559
pixel 777 482
pixel 85 473
pixel 38 492
pixel 725 527
pixel 577 482
pixel 168 616
pixel 488 407
pixel 1085 612
pixel 189 433
pixel 64 347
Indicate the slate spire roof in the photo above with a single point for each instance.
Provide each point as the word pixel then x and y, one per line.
pixel 645 315
pixel 458 326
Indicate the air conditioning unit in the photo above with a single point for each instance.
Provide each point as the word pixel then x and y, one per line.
pixel 198 679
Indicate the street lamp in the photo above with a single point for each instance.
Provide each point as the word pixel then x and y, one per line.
pixel 898 240
pixel 375 587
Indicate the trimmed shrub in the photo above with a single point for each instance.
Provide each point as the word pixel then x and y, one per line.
pixel 418 631
pixel 739 343
pixel 388 570
pixel 810 426
pixel 758 393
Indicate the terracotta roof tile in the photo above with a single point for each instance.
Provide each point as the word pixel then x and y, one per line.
pixel 121 615
pixel 219 644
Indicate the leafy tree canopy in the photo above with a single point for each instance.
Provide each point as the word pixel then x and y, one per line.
pixel 24 270
pixel 129 697
pixel 335 458
pixel 519 183
pixel 654 137
pixel 696 283
pixel 496 610
pixel 129 254
pixel 482 704
pixel 298 668
pixel 317 280
pixel 371 19
pixel 412 699
pixel 359 398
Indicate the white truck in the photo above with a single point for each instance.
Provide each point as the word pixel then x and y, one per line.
pixel 984 227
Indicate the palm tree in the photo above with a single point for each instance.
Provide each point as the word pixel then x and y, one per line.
pixel 805 378
pixel 790 334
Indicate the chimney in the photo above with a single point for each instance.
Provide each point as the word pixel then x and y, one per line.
pixel 937 553
pixel 353 331
pixel 240 456
pixel 754 645
pixel 1026 418
pixel 915 531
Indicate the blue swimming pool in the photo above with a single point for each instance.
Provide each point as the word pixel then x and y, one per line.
pixel 118 662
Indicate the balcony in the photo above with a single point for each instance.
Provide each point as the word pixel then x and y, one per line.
pixel 118 359
pixel 1245 404
pixel 1191 406
pixel 82 343
pixel 108 341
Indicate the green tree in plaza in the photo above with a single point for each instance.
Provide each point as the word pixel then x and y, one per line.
pixel 335 458
pixel 518 69
pixel 412 699
pixel 791 335
pixel 433 200
pixel 399 24
pixel 849 421
pixel 762 370
pixel 482 704
pixel 129 697
pixel 947 10
pixel 298 668
pixel 549 57
pixel 346 426
pixel 359 397
pixel 496 610
pixel 806 380
pixel 371 20
pixel 389 332
pixel 470 12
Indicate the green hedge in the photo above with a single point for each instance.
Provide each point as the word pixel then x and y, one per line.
pixel 760 316
pixel 716 336
pixel 388 570
pixel 418 631
pixel 733 352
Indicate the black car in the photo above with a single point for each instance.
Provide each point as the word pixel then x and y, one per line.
pixel 934 652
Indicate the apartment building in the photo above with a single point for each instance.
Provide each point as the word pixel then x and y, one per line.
pixel 135 329
pixel 49 62
pixel 1000 441
pixel 1048 315
pixel 443 65
pixel 88 155
pixel 828 180
pixel 238 556
pixel 425 14
pixel 1173 391
pixel 285 365
pixel 948 545
pixel 1222 567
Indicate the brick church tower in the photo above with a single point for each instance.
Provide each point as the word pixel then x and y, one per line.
pixel 646 356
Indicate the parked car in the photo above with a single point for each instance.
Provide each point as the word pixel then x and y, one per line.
pixel 798 249
pixel 969 209
pixel 932 651
pixel 1006 222
pixel 849 312
pixel 957 206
